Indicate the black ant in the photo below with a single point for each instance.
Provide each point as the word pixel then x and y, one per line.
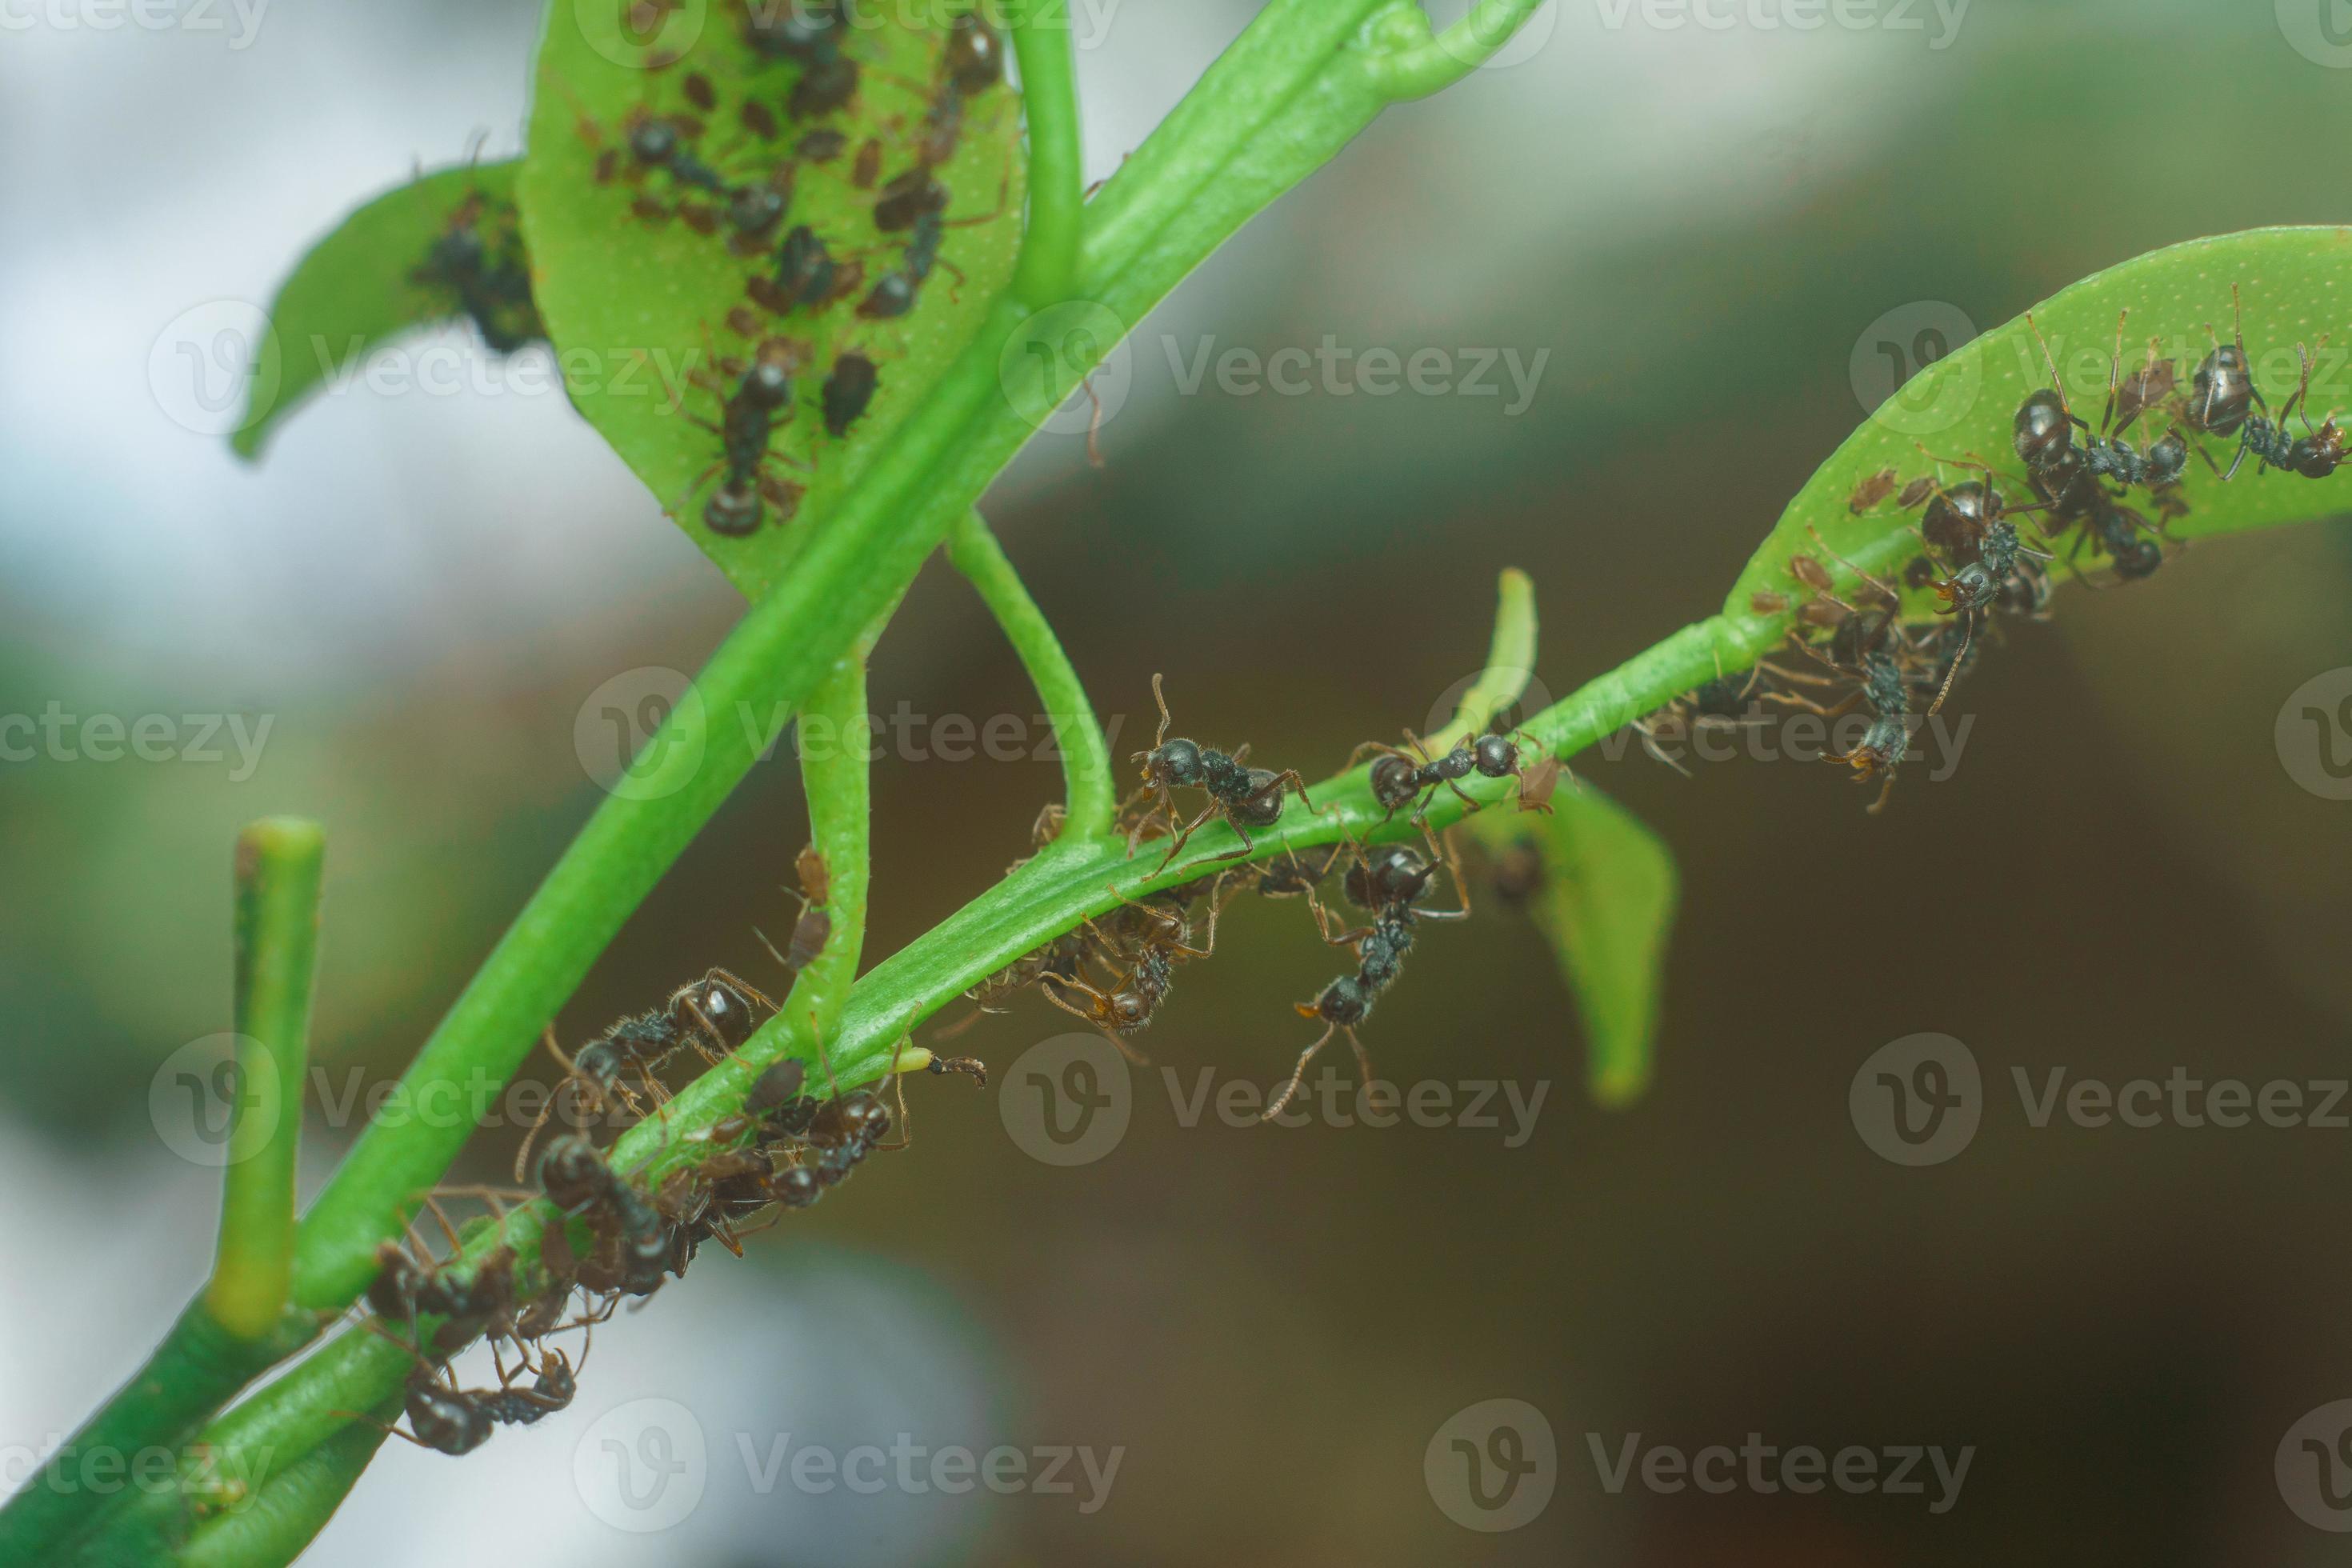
pixel 634 1244
pixel 2222 389
pixel 488 277
pixel 1245 796
pixel 894 293
pixel 2315 455
pixel 806 275
pixel 715 1009
pixel 456 1421
pixel 2042 432
pixel 1294 874
pixel 1149 938
pixel 1881 685
pixel 1388 884
pixel 1401 778
pixel 752 414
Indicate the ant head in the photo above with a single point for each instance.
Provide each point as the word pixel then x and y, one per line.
pixel 768 383
pixel 755 209
pixel 1128 1011
pixel 1498 756
pixel 1174 762
pixel 975 55
pixel 654 142
pixel 2041 430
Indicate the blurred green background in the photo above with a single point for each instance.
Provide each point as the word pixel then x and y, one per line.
pixel 1697 227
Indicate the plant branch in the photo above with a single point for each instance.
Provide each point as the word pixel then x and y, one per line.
pixel 278 877
pixel 1510 664
pixel 1049 100
pixel 1429 64
pixel 1089 788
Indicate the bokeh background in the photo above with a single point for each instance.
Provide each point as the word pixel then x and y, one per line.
pixel 1698 226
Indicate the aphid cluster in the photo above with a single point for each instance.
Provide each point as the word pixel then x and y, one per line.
pixel 725 155
pixel 1984 552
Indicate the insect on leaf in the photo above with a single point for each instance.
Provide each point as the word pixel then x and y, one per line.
pixel 385 270
pixel 1962 407
pixel 661 293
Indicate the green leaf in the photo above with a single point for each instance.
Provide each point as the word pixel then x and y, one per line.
pixel 1606 900
pixel 649 315
pixel 1962 405
pixel 375 279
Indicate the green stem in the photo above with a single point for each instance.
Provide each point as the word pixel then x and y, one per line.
pixel 1510 664
pixel 1438 62
pixel 198 1367
pixel 278 1523
pixel 278 864
pixel 1049 100
pixel 1089 789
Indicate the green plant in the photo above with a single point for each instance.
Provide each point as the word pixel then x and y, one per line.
pixel 980 369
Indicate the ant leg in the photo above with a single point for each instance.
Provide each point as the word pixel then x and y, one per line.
pixel 1382 747
pixel 1162 735
pixel 1883 590
pixel 1453 863
pixel 1208 811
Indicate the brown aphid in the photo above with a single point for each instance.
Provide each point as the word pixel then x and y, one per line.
pixel 1537 782
pixel 760 120
pixel 1915 493
pixel 1871 492
pixel 700 92
pixel 745 322
pixel 823 146
pixel 1812 573
pixel 869 167
pixel 1767 604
